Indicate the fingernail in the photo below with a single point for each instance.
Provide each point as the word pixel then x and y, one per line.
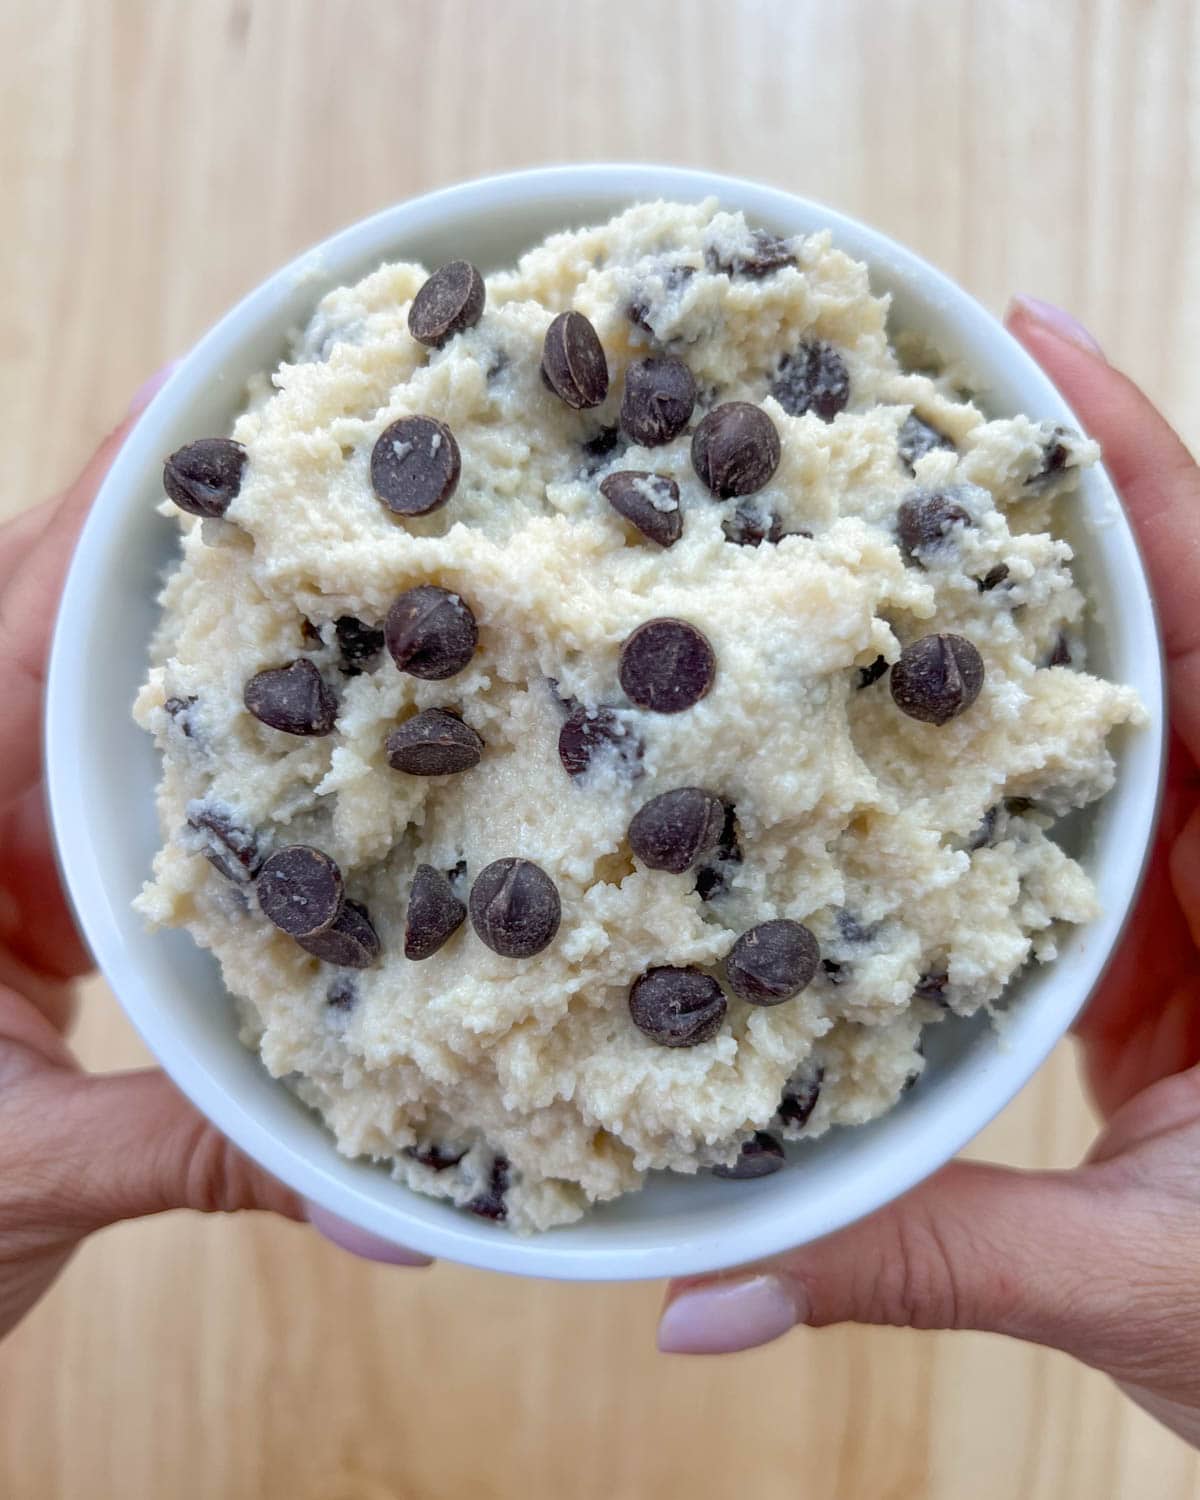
pixel 724 1316
pixel 1056 320
pixel 148 389
pixel 359 1242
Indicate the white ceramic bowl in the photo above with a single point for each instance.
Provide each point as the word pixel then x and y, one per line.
pixel 102 770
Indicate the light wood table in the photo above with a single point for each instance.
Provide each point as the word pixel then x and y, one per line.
pixel 157 159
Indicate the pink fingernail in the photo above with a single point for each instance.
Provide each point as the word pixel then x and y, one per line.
pixel 724 1316
pixel 359 1242
pixel 148 389
pixel 1057 321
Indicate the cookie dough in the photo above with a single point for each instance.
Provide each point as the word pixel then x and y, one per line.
pixel 623 609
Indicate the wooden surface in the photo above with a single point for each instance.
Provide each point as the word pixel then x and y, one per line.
pixel 156 159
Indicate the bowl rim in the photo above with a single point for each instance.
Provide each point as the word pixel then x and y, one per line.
pixel 915 1148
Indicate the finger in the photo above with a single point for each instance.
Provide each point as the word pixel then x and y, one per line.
pixel 1160 1113
pixel 1185 873
pixel 1130 1043
pixel 81 1151
pixel 35 1011
pixel 1157 479
pixel 20 533
pixel 35 919
pixel 28 603
pixel 1041 1256
pixel 358 1242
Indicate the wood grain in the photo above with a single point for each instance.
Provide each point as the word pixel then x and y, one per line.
pixel 159 157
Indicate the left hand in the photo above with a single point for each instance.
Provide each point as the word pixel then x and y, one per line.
pixel 79 1151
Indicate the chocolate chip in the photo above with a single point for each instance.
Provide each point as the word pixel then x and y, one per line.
pixel 433 743
pixel 342 994
pixel 868 675
pixel 436 1158
pixel 1054 458
pixel 300 889
pixel 814 379
pixel 983 835
pixel 658 400
pixel 1061 654
pixel 852 930
pixel 911 1081
pixel 677 1007
pixel 768 254
pixel 490 1203
pixel 178 710
pixel 430 632
pixel 675 829
pixel 760 1156
pixel 748 527
pixel 772 962
pixel 294 699
pixel 666 666
pixel 451 300
pixel 415 465
pixel 351 943
pixel 573 364
pixel 588 734
pixel 434 913
pixel 204 477
pixel 993 578
pixel 735 449
pixel 358 643
pixel 800 1098
pixel 649 501
pixel 231 849
pixel 639 309
pixel 926 519
pixel 932 986
pixel 710 882
pixel 937 678
pixel 916 438
pixel 515 908
pixel 713 879
pixel 599 449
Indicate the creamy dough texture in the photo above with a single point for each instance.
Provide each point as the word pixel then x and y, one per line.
pixel 920 856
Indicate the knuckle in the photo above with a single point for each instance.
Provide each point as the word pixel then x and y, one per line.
pixel 216 1179
pixel 919 1285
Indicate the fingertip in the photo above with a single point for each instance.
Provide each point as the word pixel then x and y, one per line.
pixel 150 388
pixel 1025 314
pixel 359 1242
pixel 726 1316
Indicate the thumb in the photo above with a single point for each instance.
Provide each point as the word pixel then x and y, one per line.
pixel 84 1151
pixel 1042 1256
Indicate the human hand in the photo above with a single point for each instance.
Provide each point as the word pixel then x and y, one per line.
pixel 80 1151
pixel 1100 1260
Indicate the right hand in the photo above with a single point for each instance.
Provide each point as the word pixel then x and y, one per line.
pixel 1101 1260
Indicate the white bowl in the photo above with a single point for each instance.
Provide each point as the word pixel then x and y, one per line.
pixel 102 770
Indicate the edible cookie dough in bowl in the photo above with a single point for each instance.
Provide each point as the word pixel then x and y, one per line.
pixel 656 716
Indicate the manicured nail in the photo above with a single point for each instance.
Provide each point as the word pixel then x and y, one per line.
pixel 148 389
pixel 1056 320
pixel 359 1242
pixel 723 1316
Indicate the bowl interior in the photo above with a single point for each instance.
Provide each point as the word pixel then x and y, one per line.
pixel 102 769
